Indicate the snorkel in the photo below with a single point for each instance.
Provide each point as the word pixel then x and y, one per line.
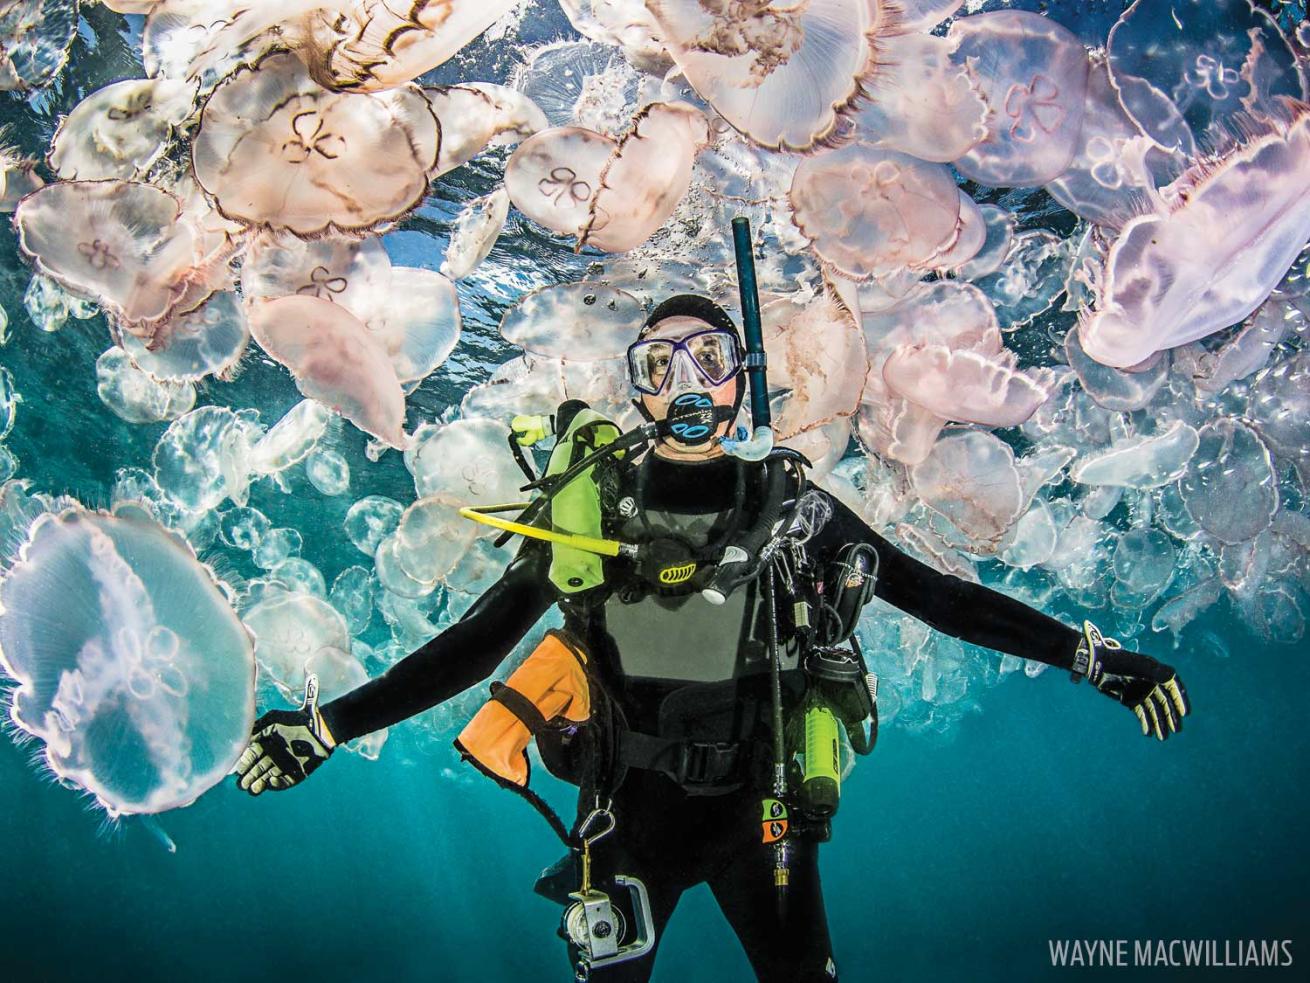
pixel 759 444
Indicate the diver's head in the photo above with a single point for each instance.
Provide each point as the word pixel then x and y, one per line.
pixel 686 367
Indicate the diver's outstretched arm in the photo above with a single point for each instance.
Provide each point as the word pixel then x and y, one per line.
pixel 986 617
pixel 289 744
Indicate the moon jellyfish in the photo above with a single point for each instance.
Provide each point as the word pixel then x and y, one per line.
pixel 1249 350
pixel 1184 68
pixel 1279 408
pixel 370 46
pixel 131 665
pixel 204 457
pixel 275 149
pixel 646 177
pixel 121 130
pixel 579 321
pixel 291 439
pixel 609 194
pixel 208 341
pixel 629 24
pixel 134 395
pixel 119 242
pixel 335 359
pixel 1143 562
pixel 1032 539
pixel 999 234
pixel 971 480
pixel 35 36
pixel 1209 261
pixel 970 237
pixel 820 360
pixel 353 594
pixel 580 83
pixel 477 226
pixel 477 115
pixel 466 461
pixel 1143 461
pixel 243 527
pixel 964 385
pixel 421 323
pixel 922 103
pixel 1113 388
pixel 1230 487
pixel 371 520
pixel 276 547
pixel 1115 170
pixel 782 75
pixel 289 630
pixel 355 273
pixel 869 211
pixel 328 472
pixel 1030 280
pixel 553 176
pixel 1033 76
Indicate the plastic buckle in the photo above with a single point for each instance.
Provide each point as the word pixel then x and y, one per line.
pixel 704 764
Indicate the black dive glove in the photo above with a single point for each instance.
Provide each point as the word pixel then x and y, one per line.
pixel 286 746
pixel 1151 689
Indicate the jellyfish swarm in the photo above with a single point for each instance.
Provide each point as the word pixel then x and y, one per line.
pixel 131 665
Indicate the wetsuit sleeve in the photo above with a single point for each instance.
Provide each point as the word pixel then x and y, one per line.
pixel 461 656
pixel 963 610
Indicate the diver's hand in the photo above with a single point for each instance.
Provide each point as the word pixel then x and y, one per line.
pixel 1151 689
pixel 286 746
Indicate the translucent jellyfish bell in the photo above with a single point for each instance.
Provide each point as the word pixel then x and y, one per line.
pixel 289 630
pixel 964 385
pixel 477 115
pixel 1230 487
pixel 1032 74
pixel 869 211
pixel 580 83
pixel 120 130
pixel 142 687
pixel 372 46
pixel 781 74
pixel 971 479
pixel 117 241
pixel 336 360
pixel 466 462
pixel 576 321
pixel 1143 461
pixel 477 227
pixel 208 341
pixel 1184 69
pixel 355 273
pixel 420 325
pixel 627 24
pixel 922 102
pixel 553 176
pixel 276 149
pixel 35 36
pixel 1214 255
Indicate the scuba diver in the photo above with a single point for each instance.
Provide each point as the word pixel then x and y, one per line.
pixel 707 667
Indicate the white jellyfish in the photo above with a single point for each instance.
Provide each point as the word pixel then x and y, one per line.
pixel 275 149
pixel 131 665
pixel 1210 259
pixel 476 229
pixel 336 360
pixel 120 130
pixel 475 116
pixel 582 321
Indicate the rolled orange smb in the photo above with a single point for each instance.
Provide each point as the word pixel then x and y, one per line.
pixel 548 691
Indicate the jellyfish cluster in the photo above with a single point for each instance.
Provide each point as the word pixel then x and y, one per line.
pixel 1035 303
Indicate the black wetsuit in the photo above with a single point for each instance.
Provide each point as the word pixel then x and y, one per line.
pixel 700 688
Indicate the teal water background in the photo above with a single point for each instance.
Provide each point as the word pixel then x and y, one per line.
pixel 1044 816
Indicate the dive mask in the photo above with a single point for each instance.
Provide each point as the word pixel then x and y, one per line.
pixel 706 358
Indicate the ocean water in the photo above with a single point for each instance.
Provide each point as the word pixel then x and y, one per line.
pixel 959 852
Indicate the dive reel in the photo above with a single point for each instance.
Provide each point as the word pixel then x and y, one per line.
pixel 597 927
pixel 592 924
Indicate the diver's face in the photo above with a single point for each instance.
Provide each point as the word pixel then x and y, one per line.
pixel 683 378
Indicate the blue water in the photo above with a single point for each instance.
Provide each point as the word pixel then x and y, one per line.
pixel 1045 816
